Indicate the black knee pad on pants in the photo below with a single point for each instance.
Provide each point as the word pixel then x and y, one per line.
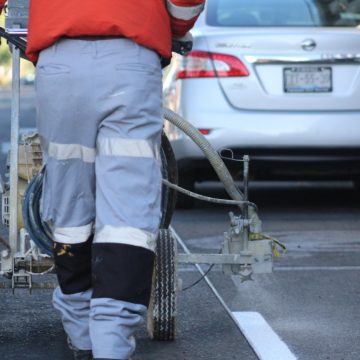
pixel 73 266
pixel 122 272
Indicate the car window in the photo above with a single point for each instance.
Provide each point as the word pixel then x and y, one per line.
pixel 283 13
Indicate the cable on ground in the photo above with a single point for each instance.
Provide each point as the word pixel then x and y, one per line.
pixel 200 279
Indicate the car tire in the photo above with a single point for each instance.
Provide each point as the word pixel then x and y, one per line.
pixel 183 201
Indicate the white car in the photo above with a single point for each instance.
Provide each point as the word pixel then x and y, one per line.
pixel 278 80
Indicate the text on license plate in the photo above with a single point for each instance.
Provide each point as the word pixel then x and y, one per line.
pixel 307 79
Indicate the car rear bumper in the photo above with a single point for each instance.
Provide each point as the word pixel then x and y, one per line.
pixel 284 164
pixel 234 129
pixel 294 144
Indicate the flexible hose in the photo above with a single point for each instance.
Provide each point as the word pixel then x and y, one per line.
pixel 37 229
pixel 216 162
pixel 207 198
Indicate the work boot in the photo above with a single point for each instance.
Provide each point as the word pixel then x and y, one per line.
pixel 79 354
pixel 82 354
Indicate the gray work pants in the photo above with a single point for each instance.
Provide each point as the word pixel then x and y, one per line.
pixel 99 115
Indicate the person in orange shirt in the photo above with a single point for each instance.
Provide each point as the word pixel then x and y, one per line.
pixel 99 115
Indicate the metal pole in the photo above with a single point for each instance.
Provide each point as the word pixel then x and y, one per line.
pixel 246 160
pixel 15 113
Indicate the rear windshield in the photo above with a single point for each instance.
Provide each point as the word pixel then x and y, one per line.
pixel 283 12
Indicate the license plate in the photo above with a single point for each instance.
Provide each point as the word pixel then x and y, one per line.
pixel 308 79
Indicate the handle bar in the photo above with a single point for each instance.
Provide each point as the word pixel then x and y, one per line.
pixel 181 47
pixel 16 40
pixel 178 46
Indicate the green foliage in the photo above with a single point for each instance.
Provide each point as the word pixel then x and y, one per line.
pixel 26 67
pixel 5 56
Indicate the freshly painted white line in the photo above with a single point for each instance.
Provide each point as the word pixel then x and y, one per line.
pixel 316 268
pixel 190 268
pixel 262 338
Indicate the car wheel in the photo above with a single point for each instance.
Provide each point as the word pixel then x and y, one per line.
pixel 183 201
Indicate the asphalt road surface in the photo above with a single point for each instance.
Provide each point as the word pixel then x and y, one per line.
pixel 308 308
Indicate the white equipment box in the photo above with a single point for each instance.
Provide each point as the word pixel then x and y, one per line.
pixel 16 21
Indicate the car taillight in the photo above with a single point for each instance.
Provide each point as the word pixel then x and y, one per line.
pixel 204 131
pixel 200 64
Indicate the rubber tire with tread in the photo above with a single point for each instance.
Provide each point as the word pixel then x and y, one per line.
pixel 163 302
pixel 169 172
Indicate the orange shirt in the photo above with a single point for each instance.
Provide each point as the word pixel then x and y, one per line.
pixel 151 23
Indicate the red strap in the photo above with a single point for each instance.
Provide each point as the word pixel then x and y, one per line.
pixel 2 4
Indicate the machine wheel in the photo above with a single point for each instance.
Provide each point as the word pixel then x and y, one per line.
pixel 163 303
pixel 170 173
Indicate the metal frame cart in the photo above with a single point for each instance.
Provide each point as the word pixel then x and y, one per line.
pixel 245 250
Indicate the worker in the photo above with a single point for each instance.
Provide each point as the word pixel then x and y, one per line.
pixel 99 116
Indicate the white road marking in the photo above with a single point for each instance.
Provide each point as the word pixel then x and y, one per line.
pixel 262 338
pixel 279 268
pixel 266 344
pixel 316 268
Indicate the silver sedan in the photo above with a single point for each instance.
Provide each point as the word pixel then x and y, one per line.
pixel 276 79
